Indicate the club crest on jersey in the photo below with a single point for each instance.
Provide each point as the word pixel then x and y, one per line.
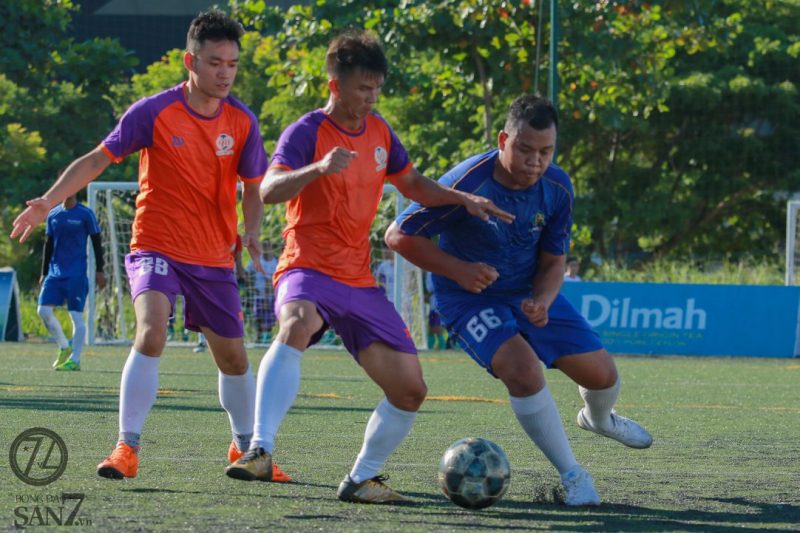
pixel 224 144
pixel 538 222
pixel 380 158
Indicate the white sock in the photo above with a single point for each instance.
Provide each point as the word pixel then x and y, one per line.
pixel 386 429
pixel 237 395
pixel 278 385
pixel 137 393
pixel 599 404
pixel 78 335
pixel 53 325
pixel 538 416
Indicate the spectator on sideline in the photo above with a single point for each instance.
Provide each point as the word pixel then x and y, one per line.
pixel 384 273
pixel 573 267
pixel 264 295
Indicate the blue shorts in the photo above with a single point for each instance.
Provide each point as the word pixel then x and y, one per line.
pixel 481 324
pixel 73 291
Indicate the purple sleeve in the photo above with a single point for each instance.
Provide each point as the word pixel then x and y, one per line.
pixel 253 161
pixel 296 145
pixel 398 157
pixel 134 130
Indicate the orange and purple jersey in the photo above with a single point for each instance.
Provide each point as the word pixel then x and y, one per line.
pixel 188 172
pixel 328 223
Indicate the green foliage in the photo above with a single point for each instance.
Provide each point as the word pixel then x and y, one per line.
pixel 54 106
pixel 748 271
pixel 679 119
pixel 679 125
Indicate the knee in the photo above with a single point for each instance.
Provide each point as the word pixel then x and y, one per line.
pixel 150 339
pixel 297 331
pixel 234 366
pixel 43 311
pixel 522 386
pixel 603 378
pixel 411 397
pixel 521 380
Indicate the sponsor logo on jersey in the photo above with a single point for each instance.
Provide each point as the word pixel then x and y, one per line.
pixel 538 222
pixel 381 156
pixel 177 142
pixel 224 144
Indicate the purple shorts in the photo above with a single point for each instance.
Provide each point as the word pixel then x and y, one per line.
pixel 211 296
pixel 360 315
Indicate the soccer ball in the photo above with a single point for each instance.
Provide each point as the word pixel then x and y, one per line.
pixel 474 473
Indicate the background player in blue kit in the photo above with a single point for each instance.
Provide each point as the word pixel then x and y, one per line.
pixel 69 226
pixel 497 287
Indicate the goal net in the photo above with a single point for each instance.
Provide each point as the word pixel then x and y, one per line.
pixel 111 318
pixel 792 250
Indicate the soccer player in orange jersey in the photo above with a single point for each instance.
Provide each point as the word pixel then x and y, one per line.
pixel 196 142
pixel 330 166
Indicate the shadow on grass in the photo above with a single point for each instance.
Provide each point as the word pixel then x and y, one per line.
pixel 108 403
pixel 613 517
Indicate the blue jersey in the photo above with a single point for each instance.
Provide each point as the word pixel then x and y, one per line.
pixel 543 221
pixel 69 229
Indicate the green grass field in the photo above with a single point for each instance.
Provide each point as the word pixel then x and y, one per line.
pixel 726 454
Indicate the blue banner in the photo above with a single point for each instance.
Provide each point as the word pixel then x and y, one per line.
pixel 668 318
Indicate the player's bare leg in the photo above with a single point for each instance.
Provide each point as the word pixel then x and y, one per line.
pixel 599 384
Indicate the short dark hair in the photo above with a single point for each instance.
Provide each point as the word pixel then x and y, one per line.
pixel 535 110
pixel 353 50
pixel 212 25
pixel 572 258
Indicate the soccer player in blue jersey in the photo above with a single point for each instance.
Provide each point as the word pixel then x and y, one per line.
pixel 69 227
pixel 497 287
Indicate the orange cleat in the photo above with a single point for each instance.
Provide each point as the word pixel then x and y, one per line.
pixel 278 475
pixel 123 462
pixel 233 452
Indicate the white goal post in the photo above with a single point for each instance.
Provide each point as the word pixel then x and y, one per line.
pixel 111 318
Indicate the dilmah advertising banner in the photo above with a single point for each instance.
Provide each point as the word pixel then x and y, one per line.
pixel 669 318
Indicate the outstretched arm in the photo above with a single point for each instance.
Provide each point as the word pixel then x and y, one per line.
pixel 78 174
pixel 424 253
pixel 253 211
pixel 429 193
pixel 281 185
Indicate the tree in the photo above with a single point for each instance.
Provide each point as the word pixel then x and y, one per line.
pixel 54 106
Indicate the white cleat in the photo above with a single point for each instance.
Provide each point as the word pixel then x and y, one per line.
pixel 579 488
pixel 620 429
